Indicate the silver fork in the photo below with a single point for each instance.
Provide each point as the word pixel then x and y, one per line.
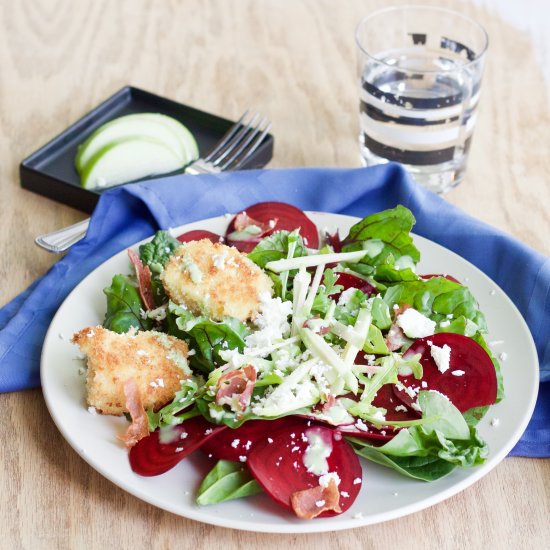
pixel 231 152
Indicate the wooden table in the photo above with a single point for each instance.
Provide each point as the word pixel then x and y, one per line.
pixel 295 61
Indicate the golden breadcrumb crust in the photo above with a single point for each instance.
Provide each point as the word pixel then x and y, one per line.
pixel 215 280
pixel 156 361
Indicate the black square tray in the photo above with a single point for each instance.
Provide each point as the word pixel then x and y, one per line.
pixel 50 171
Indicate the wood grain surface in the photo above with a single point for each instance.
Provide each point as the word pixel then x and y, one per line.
pixel 295 61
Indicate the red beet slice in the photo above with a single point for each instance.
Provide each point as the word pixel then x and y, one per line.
pixel 347 280
pixel 386 399
pixel 335 241
pixel 279 466
pixel 198 234
pixel 151 457
pixel 477 387
pixel 232 444
pixel 432 275
pixel 288 218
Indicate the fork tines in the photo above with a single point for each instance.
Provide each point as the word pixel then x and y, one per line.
pixel 240 142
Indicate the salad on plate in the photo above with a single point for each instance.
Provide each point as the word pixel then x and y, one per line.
pixel 287 355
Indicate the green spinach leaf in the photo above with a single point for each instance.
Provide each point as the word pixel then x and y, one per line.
pixel 124 306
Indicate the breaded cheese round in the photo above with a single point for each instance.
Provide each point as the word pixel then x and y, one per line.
pixel 215 280
pixel 156 361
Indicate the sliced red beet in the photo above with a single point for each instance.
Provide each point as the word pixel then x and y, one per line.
pixel 198 234
pixel 470 381
pixel 233 444
pixel 288 218
pixel 279 466
pixel 152 457
pixel 385 399
pixel 448 277
pixel 335 241
pixel 347 280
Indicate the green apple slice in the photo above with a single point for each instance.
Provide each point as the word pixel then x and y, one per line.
pixel 128 159
pixel 151 125
pixel 188 141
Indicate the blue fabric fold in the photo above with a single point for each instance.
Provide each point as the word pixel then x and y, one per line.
pixel 127 214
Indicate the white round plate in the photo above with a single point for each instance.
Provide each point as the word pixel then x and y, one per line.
pixel 385 494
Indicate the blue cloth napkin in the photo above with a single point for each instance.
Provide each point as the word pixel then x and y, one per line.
pixel 128 214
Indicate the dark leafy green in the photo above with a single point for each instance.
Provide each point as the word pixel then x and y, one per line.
pixel 424 468
pixel 386 237
pixel 207 338
pixel 124 306
pixel 437 298
pixel 155 254
pixel 445 437
pixel 276 247
pixel 158 250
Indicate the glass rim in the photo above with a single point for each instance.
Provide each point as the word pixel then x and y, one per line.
pixel 419 7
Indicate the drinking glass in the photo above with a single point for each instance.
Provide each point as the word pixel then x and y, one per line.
pixel 420 71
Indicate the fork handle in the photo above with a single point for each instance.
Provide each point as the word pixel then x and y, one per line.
pixel 61 240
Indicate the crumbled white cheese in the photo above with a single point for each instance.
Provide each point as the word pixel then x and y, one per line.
pixel 495 422
pixel 458 373
pixel 324 480
pixel 445 324
pixel 503 356
pixel 378 415
pixel 346 296
pixel 414 324
pixel 272 322
pixel 357 481
pixel 441 356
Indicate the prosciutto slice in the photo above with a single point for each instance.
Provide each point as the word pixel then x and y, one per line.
pixel 139 428
pixel 143 274
pixel 235 388
pixel 310 503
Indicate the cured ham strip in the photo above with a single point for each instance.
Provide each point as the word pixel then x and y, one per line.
pixel 235 388
pixel 310 503
pixel 139 428
pixel 143 274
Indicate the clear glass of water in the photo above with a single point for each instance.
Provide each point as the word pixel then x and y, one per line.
pixel 420 71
